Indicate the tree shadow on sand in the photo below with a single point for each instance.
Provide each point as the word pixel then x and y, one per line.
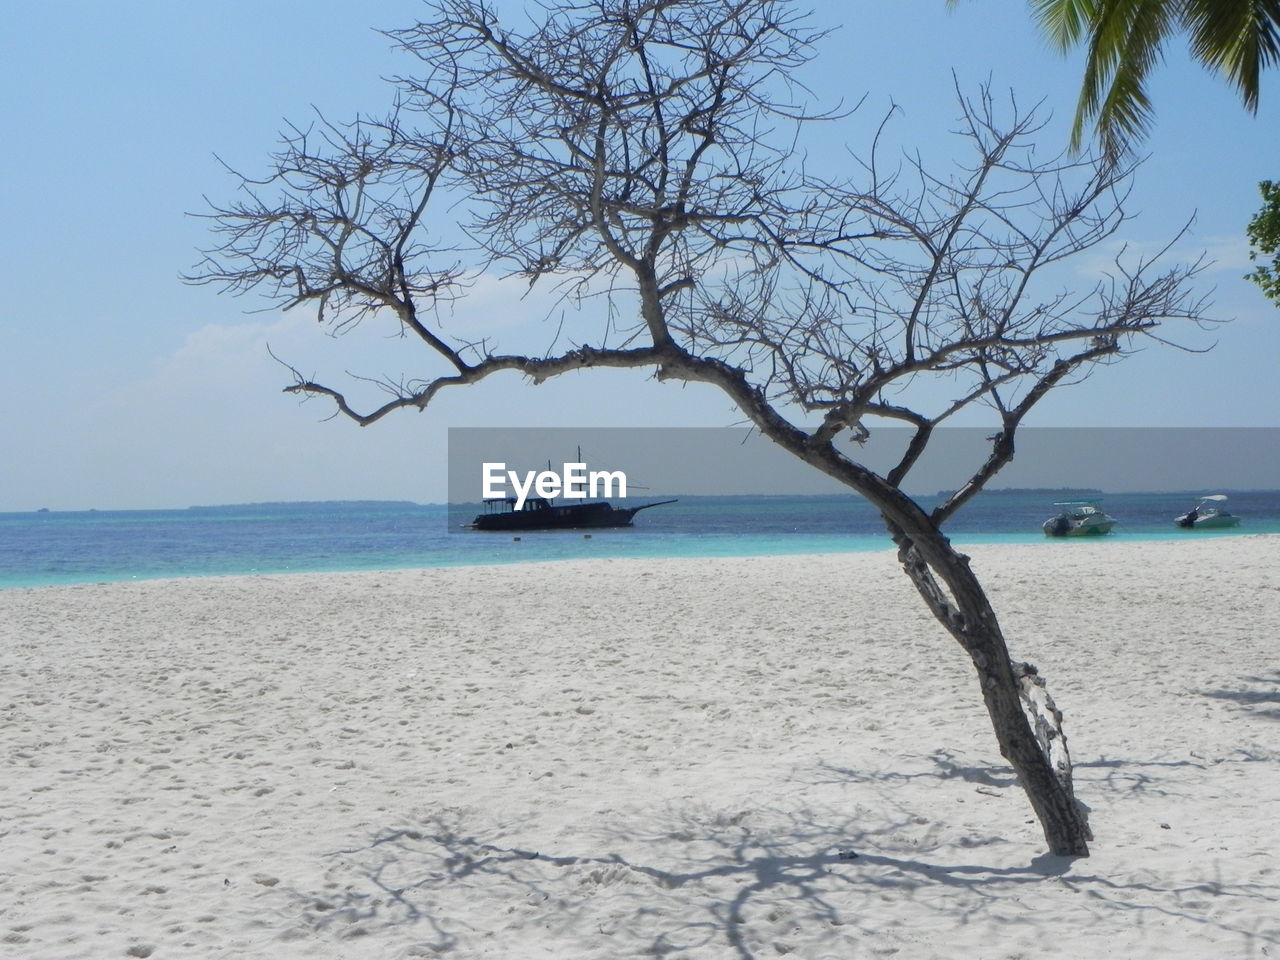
pixel 700 881
pixel 1116 776
pixel 1259 695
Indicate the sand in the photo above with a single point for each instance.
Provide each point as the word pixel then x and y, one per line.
pixel 712 758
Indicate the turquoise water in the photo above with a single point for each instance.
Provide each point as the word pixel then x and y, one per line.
pixel 48 548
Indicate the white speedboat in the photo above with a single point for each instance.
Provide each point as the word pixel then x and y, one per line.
pixel 1078 518
pixel 1210 513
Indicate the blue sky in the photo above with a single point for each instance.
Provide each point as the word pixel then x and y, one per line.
pixel 125 388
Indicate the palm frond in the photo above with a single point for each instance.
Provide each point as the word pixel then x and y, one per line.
pixel 1237 38
pixel 1065 21
pixel 1126 42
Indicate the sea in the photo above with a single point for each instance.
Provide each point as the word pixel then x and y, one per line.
pixel 48 548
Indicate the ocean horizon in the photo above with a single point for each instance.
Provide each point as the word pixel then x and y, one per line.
pixel 49 548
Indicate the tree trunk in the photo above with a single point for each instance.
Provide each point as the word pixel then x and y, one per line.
pixel 1011 693
pixel 963 608
pixel 1045 719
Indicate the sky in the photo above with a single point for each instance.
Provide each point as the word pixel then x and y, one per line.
pixel 125 388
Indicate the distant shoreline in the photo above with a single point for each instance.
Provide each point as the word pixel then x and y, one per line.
pixel 1050 491
pixel 263 505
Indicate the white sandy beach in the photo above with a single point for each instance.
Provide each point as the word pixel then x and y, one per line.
pixel 712 758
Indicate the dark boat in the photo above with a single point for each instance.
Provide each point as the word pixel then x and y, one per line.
pixel 541 514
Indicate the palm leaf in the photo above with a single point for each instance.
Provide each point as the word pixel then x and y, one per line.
pixel 1237 38
pixel 1065 21
pixel 1126 41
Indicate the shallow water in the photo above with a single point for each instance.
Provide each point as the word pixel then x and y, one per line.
pixel 48 548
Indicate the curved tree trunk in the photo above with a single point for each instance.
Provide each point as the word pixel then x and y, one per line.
pixel 1014 696
pixel 1011 692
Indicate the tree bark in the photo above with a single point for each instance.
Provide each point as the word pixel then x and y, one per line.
pixel 1010 692
pixel 1046 721
pixel 962 608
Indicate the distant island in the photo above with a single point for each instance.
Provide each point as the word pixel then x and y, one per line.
pixel 1059 492
pixel 305 505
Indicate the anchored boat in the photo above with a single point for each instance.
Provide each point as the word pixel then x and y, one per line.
pixel 1210 513
pixel 539 513
pixel 1078 518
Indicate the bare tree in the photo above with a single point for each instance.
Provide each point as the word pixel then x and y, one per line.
pixel 649 148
